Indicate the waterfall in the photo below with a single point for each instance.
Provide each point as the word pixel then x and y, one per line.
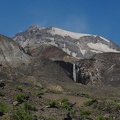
pixel 74 72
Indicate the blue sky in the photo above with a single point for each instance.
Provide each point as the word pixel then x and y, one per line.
pixel 101 17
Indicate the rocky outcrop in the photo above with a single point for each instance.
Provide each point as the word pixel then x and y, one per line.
pixel 101 69
pixel 49 51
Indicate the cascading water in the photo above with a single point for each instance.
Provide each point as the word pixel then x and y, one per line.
pixel 74 72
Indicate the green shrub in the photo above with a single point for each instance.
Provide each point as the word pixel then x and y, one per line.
pixel 20 97
pixel 84 112
pixel 19 87
pixel 21 114
pixel 117 106
pixel 1 94
pixel 65 104
pixel 27 106
pixel 85 95
pixel 52 103
pixel 3 107
pixel 39 94
pixel 72 113
pixel 88 103
pixel 100 117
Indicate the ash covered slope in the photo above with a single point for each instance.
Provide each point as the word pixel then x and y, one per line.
pixel 76 44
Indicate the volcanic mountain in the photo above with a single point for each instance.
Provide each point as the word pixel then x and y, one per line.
pixel 75 44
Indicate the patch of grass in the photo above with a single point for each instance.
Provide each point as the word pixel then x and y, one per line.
pixel 40 93
pixel 65 104
pixel 84 113
pixel 105 106
pixel 1 94
pixel 3 107
pixel 28 106
pixel 21 97
pixel 20 114
pixel 88 102
pixel 100 117
pixel 117 106
pixel 19 87
pixel 72 113
pixel 85 95
pixel 52 104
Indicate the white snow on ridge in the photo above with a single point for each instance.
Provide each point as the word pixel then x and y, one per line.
pixel 101 47
pixel 57 31
pixel 104 39
pixel 96 51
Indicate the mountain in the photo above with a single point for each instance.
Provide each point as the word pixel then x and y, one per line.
pixel 76 44
pixel 35 87
pixel 17 65
pixel 95 69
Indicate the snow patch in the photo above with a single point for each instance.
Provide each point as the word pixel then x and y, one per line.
pixel 81 50
pixel 96 51
pixel 69 52
pixel 63 33
pixel 52 43
pixel 101 47
pixel 74 54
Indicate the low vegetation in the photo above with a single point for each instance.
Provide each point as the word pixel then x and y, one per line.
pixel 19 87
pixel 3 108
pixel 21 113
pixel 20 97
pixel 30 103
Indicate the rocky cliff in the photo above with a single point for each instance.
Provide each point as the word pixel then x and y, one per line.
pixel 101 69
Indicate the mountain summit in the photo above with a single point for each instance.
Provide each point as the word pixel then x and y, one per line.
pixel 76 44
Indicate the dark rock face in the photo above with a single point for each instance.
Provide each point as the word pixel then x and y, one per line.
pixel 68 67
pixel 101 69
pixel 75 44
